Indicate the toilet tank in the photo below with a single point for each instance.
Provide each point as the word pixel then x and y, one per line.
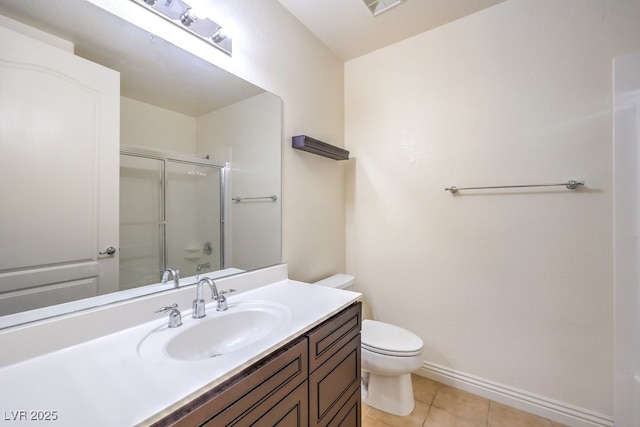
pixel 339 281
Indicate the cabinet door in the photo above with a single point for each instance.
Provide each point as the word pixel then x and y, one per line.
pixel 333 383
pixel 350 414
pixel 333 334
pixel 59 148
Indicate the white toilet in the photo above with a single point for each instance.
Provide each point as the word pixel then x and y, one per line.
pixel 389 355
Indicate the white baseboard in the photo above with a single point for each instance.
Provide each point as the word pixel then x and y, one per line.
pixel 539 405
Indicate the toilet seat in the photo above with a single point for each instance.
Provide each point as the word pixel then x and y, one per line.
pixel 383 338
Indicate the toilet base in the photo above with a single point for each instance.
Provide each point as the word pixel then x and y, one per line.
pixel 392 394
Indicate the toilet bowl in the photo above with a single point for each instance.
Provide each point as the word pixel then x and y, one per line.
pixel 389 354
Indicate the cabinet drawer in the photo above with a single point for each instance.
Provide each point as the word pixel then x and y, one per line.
pixel 333 383
pixel 292 411
pixel 328 338
pixel 269 379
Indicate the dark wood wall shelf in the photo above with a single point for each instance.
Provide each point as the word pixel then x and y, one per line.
pixel 306 143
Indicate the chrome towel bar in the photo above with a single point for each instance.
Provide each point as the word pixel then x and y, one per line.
pixel 240 199
pixel 571 185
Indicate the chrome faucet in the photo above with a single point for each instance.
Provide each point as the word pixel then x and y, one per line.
pixel 198 303
pixel 175 275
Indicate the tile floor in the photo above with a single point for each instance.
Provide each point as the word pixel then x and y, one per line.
pixel 439 405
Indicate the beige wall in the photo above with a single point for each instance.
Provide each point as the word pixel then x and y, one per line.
pixel 249 133
pixel 510 286
pixel 146 125
pixel 274 51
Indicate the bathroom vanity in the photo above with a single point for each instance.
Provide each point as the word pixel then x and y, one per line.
pixel 303 369
pixel 314 380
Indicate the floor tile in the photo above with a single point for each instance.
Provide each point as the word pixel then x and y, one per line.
pixel 424 389
pixel 365 409
pixel 372 422
pixel 462 404
pixel 439 418
pixel 439 405
pixel 505 416
pixel 414 419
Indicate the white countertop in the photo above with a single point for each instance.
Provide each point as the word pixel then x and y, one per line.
pixel 105 382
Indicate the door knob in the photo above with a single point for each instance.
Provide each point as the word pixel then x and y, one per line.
pixel 109 251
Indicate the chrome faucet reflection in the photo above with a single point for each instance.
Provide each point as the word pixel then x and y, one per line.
pixel 198 303
pixel 199 268
pixel 175 275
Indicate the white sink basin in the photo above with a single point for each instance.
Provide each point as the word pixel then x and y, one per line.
pixel 243 325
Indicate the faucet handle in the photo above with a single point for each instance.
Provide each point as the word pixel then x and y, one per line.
pixel 163 309
pixel 175 317
pixel 222 302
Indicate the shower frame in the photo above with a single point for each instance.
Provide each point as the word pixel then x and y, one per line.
pixel 164 157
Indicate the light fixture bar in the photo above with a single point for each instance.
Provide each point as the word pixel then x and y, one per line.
pixel 181 14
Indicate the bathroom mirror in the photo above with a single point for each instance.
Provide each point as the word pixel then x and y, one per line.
pixel 172 105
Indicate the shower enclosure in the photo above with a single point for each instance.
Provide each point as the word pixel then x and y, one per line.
pixel 171 216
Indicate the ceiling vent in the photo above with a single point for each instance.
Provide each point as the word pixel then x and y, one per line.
pixel 378 6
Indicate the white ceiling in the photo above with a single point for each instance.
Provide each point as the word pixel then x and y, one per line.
pixel 156 72
pixel 349 29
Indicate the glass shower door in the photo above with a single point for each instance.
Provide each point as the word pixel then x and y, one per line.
pixel 194 217
pixel 141 221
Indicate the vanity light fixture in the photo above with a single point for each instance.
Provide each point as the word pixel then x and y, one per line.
pixel 183 15
pixel 219 35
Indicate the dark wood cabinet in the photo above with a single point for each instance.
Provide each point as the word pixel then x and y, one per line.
pixel 327 338
pixel 314 380
pixel 334 366
pixel 350 414
pixel 292 410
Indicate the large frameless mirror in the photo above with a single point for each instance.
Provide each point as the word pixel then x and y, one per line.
pixel 123 156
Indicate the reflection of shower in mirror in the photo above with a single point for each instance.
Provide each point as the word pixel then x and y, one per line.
pixel 208 248
pixel 168 207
